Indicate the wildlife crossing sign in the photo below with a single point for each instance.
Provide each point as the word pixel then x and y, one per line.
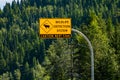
pixel 55 27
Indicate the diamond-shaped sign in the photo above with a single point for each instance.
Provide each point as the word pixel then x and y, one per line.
pixel 46 26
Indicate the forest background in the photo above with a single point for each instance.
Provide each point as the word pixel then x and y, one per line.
pixel 25 56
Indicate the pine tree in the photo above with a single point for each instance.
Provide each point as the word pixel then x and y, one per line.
pixel 17 74
pixel 104 53
pixel 57 60
pixel 2 63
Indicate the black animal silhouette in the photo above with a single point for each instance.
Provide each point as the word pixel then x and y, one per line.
pixel 46 25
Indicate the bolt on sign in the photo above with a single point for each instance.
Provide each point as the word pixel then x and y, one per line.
pixel 55 27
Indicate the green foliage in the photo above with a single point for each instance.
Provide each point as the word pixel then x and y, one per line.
pixel 105 59
pixel 2 62
pixel 6 76
pixel 57 57
pixel 17 74
pixel 39 72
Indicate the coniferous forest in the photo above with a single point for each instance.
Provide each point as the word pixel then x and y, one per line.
pixel 26 56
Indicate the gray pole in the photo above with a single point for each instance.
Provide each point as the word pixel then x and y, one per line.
pixel 91 50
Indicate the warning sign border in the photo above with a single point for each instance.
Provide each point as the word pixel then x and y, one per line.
pixel 53 35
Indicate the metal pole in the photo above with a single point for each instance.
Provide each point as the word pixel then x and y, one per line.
pixel 91 51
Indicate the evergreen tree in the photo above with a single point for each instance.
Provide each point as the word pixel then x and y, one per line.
pixel 2 63
pixel 17 74
pixel 57 60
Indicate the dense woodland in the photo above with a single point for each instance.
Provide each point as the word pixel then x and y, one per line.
pixel 25 56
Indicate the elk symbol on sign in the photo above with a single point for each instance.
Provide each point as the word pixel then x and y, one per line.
pixel 46 26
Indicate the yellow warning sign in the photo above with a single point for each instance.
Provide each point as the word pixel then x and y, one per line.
pixel 55 28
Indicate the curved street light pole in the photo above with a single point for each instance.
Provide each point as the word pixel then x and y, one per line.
pixel 91 51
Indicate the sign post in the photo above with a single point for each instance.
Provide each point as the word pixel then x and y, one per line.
pixel 91 51
pixel 61 28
